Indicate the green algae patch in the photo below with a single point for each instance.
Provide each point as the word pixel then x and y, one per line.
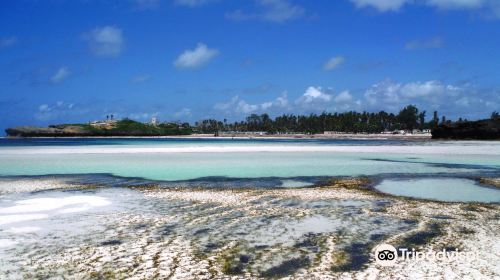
pixel 490 181
pixel 286 268
pixel 422 237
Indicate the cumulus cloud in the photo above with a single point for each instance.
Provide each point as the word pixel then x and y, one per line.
pixel 239 106
pixel 105 41
pixel 196 58
pixel 7 42
pixel 432 43
pixel 344 97
pixel 270 10
pixel 333 63
pixel 312 95
pixel 60 75
pixel 279 102
pixel 465 100
pixel 391 96
pixel 313 100
pixel 489 7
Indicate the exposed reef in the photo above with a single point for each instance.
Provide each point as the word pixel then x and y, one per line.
pixel 324 232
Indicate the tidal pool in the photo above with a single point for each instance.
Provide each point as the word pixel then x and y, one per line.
pixel 443 189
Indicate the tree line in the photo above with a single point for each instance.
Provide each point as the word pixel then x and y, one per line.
pixel 408 118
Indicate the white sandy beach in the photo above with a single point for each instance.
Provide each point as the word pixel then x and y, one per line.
pixel 437 148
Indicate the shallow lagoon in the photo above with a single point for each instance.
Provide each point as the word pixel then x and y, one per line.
pixel 276 224
pixel 444 189
pixel 174 163
pixel 284 163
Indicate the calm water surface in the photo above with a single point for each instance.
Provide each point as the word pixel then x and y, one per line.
pixel 422 159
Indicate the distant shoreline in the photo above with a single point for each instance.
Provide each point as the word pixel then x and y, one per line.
pixel 345 136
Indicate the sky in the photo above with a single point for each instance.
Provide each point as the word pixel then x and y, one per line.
pixel 65 61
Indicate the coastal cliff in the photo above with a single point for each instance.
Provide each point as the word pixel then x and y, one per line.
pixel 116 128
pixel 488 129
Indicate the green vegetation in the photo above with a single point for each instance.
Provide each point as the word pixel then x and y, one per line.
pixel 124 127
pixel 129 127
pixel 352 122
pixel 482 129
pixel 408 119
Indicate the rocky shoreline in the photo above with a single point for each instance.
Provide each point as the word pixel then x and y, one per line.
pixel 324 232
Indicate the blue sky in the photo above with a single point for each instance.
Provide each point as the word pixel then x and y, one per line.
pixel 75 61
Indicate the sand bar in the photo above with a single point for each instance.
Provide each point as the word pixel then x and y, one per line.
pixel 487 148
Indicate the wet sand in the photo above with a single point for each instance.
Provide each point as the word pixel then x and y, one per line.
pixel 438 148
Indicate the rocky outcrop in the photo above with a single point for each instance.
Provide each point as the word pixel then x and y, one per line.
pixel 124 127
pixel 51 131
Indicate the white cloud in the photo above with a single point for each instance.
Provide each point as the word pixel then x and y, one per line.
pixel 312 95
pixel 48 112
pixel 105 41
pixel 488 7
pixel 246 108
pixel 140 78
pixel 432 43
pixel 422 89
pixel 463 100
pixel 237 105
pixel 457 4
pixel 195 58
pixel 60 75
pixel 333 63
pixel 241 107
pixel 7 42
pixel 344 97
pixel 271 10
pixel 43 108
pixel 386 92
pixel 392 96
pixel 381 5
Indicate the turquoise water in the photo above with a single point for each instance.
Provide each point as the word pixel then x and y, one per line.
pixel 163 162
pixel 17 158
pixel 5 142
pixel 444 189
pixel 184 166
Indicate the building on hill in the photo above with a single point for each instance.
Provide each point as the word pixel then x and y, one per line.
pixel 154 121
pixel 107 124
